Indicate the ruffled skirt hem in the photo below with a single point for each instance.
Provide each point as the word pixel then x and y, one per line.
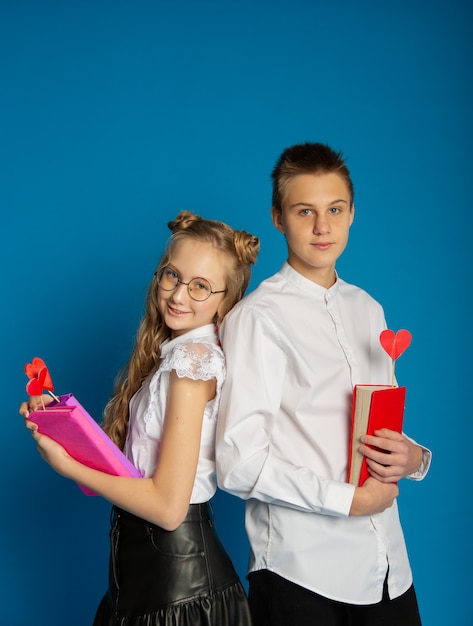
pixel 227 607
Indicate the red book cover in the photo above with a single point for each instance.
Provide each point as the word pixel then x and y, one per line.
pixel 374 407
pixel 68 423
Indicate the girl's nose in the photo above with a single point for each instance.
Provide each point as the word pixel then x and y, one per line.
pixel 179 293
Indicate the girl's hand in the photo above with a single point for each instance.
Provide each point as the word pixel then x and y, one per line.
pixel 51 451
pixel 33 403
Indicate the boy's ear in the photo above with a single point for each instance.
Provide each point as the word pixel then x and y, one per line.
pixel 352 214
pixel 276 216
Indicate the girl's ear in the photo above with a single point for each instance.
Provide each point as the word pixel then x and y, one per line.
pixel 278 221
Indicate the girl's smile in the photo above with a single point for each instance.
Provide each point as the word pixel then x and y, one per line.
pixel 190 259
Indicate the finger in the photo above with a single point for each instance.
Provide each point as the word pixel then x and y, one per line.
pixel 382 456
pixel 24 409
pixel 384 479
pixel 389 434
pixel 36 402
pixel 384 473
pixel 31 426
pixel 384 445
pixel 377 441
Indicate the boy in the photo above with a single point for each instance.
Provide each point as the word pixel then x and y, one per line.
pixel 322 551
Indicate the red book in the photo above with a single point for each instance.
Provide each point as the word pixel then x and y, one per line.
pixel 374 407
pixel 68 423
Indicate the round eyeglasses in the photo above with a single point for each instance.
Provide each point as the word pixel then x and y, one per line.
pixel 199 289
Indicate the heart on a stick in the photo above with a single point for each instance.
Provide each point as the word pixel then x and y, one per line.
pixel 35 386
pixel 33 369
pixel 395 344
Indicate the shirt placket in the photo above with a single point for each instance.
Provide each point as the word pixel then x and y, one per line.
pixel 333 311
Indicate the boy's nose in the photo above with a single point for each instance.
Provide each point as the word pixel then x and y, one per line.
pixel 321 226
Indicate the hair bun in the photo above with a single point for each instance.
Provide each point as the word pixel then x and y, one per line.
pixel 247 246
pixel 184 219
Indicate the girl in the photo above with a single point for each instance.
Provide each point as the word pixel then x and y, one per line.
pixel 167 565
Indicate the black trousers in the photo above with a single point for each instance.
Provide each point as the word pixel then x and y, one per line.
pixel 275 601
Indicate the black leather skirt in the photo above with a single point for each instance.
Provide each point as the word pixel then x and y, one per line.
pixel 169 578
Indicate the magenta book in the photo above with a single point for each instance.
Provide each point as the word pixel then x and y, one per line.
pixel 68 423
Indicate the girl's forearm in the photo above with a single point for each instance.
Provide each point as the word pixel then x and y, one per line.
pixel 139 496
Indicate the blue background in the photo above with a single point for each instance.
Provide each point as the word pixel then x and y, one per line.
pixel 116 115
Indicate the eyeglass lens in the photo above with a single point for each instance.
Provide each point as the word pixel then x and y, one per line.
pixel 198 288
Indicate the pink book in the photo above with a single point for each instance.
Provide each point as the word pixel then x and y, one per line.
pixel 68 423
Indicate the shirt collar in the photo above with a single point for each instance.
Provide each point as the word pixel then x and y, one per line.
pixel 300 281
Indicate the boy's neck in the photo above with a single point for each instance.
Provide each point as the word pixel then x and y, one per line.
pixel 326 277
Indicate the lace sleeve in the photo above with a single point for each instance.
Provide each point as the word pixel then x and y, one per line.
pixel 197 361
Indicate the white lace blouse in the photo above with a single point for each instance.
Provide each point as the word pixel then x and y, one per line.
pixel 195 355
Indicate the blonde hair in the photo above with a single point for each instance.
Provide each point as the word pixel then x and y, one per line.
pixel 242 250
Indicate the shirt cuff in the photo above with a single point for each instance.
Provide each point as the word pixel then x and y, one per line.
pixel 339 499
pixel 423 467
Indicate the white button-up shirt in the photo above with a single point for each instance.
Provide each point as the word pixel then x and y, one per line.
pixel 294 351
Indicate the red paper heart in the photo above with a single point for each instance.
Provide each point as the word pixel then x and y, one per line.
pixel 35 386
pixel 32 370
pixel 395 344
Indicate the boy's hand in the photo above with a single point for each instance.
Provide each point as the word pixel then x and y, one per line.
pixel 394 456
pixel 373 497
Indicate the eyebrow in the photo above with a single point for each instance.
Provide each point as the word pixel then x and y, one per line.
pixel 308 204
pixel 173 268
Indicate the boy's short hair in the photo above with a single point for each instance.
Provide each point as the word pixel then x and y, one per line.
pixel 307 158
